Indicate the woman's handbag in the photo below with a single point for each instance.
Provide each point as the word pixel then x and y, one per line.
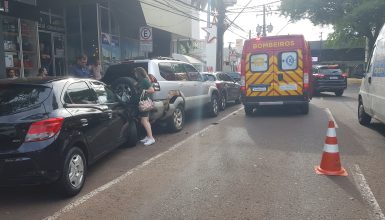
pixel 145 105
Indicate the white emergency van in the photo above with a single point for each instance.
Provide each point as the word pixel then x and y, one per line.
pixel 371 98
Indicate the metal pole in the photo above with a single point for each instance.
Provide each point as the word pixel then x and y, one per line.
pixel 220 32
pixel 208 14
pixel 264 21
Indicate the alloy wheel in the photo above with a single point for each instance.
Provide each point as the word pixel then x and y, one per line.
pixel 76 171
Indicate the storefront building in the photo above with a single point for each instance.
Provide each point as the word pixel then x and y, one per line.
pixel 54 32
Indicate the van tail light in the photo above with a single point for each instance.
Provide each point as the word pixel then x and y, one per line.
pixel 345 75
pixel 154 82
pixel 243 75
pixel 306 80
pixel 43 130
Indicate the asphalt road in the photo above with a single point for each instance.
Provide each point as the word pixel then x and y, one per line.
pixel 230 167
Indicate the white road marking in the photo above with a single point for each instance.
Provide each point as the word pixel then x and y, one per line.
pixel 331 117
pixel 367 194
pixel 119 179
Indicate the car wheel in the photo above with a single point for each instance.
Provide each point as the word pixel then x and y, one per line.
pixel 124 87
pixel 223 101
pixel 213 106
pixel 238 100
pixel 249 110
pixel 176 121
pixel 132 134
pixel 363 117
pixel 74 172
pixel 339 92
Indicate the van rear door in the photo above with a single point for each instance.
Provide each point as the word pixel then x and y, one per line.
pixel 290 74
pixel 259 74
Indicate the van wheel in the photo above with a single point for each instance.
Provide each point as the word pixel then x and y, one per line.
pixel 249 110
pixel 305 108
pixel 176 121
pixel 132 134
pixel 339 92
pixel 124 87
pixel 213 106
pixel 363 117
pixel 223 103
pixel 74 172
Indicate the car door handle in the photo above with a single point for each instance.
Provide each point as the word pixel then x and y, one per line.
pixel 370 80
pixel 84 122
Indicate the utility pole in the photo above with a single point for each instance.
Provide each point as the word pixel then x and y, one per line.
pixel 264 21
pixel 320 49
pixel 220 32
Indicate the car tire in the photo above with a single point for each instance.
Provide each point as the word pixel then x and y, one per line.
pixel 249 110
pixel 132 134
pixel 125 88
pixel 176 121
pixel 238 100
pixel 304 108
pixel 74 172
pixel 363 117
pixel 339 93
pixel 213 108
pixel 223 102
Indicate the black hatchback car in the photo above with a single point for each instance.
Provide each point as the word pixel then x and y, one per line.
pixel 329 78
pixel 51 129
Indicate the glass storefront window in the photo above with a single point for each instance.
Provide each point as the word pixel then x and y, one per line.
pixel 104 20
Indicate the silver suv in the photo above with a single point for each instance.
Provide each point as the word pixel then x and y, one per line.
pixel 179 87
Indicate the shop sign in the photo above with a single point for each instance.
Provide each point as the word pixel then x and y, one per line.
pixel 45 25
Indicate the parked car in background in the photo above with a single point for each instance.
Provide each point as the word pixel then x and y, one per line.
pixel 179 87
pixel 229 89
pixel 371 97
pixel 235 75
pixel 52 129
pixel 329 78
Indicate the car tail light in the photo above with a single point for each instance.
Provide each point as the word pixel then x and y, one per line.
pixel 345 75
pixel 219 85
pixel 43 130
pixel 319 76
pixel 306 80
pixel 154 82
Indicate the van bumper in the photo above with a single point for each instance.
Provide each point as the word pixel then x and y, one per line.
pixel 275 100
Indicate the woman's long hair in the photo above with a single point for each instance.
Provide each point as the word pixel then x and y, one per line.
pixel 141 73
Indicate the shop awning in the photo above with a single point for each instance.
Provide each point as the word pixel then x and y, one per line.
pixel 176 19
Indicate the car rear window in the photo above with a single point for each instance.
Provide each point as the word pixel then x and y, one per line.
pixel 16 98
pixel 330 71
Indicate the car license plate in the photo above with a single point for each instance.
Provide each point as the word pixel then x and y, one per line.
pixel 334 77
pixel 259 89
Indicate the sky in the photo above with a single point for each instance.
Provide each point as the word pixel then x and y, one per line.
pixel 252 16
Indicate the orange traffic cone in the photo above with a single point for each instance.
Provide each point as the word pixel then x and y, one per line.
pixel 330 163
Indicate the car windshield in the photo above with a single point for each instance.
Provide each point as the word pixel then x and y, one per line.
pixel 18 98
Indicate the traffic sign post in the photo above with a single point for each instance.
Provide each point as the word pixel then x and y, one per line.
pixel 145 34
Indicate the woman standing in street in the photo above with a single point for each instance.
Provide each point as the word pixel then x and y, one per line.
pixel 146 87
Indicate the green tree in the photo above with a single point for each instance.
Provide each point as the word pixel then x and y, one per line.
pixel 351 19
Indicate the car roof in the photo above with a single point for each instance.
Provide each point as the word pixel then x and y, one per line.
pixel 40 80
pixel 334 66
